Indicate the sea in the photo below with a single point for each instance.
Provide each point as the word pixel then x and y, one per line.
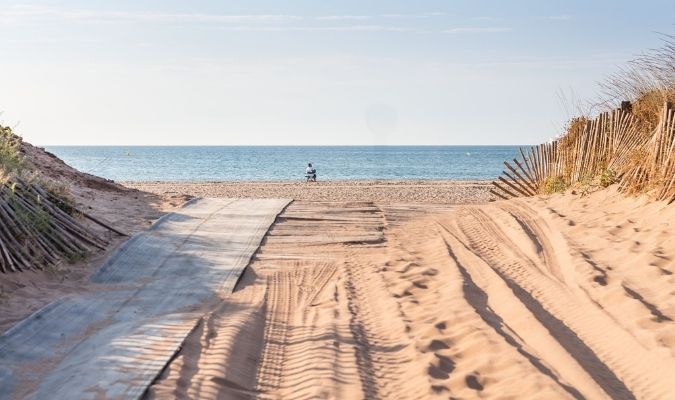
pixel 277 163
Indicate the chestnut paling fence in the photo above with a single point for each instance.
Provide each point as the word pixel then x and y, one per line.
pixel 612 148
pixel 38 229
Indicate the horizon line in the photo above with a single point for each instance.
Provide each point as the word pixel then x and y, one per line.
pixel 283 145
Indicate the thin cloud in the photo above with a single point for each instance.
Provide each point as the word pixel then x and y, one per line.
pixel 421 15
pixel 483 18
pixel 21 13
pixel 348 28
pixel 343 17
pixel 561 17
pixel 477 30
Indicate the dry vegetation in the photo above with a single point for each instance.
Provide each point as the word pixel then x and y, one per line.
pixel 39 226
pixel 632 144
pixel 648 81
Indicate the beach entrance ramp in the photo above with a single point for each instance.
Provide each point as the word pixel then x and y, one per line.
pixel 112 342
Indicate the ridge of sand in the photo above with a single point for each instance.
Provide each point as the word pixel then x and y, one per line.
pixel 560 297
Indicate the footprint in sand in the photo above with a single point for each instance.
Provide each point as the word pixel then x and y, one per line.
pixel 408 267
pixel 473 383
pixel 442 368
pixel 658 315
pixel 662 270
pixel 436 345
pixel 420 285
pixel 439 388
pixel 404 294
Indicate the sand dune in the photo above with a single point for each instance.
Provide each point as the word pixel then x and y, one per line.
pixel 126 209
pixel 564 297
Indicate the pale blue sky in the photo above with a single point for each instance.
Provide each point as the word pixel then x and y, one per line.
pixel 309 72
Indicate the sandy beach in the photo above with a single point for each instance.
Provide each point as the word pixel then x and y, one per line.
pixel 494 216
pixel 381 191
pixel 409 289
pixel 560 297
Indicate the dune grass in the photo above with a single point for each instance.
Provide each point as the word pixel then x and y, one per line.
pixel 632 143
pixel 11 160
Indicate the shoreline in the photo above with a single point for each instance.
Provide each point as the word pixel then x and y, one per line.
pixel 381 180
pixel 381 191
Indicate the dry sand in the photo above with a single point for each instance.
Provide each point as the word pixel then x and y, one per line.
pixel 383 191
pixel 135 206
pixel 564 297
pixel 385 293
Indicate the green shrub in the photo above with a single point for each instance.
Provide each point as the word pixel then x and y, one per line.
pixel 11 160
pixel 75 256
pixel 61 197
pixel 554 184
pixel 37 220
pixel 607 177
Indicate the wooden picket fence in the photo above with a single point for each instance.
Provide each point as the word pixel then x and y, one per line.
pixel 608 149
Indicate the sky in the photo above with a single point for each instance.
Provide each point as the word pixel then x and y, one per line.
pixel 167 72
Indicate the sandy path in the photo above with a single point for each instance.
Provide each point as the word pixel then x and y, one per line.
pixel 557 298
pixel 113 342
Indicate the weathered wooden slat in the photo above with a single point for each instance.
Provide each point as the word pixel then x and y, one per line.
pixel 512 186
pixel 614 141
pixel 503 189
pixel 498 194
pixel 35 232
pixel 519 184
pixel 525 182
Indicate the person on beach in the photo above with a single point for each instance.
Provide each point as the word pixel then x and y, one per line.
pixel 310 172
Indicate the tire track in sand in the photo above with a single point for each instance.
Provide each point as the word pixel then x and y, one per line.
pixel 478 299
pixel 340 342
pixel 609 354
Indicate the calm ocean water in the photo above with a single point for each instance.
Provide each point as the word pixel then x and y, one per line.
pixel 225 163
